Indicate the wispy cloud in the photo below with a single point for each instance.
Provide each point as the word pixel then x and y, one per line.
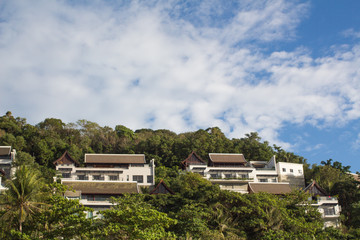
pixel 167 65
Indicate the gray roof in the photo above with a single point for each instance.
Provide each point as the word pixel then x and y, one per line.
pixel 114 158
pixel 227 158
pixel 5 150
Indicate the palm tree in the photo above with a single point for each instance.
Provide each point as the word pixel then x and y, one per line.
pixel 23 196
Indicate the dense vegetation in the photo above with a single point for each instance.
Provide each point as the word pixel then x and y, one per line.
pixel 198 210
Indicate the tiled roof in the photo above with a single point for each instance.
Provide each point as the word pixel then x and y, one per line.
pixel 193 158
pixel 273 188
pixel 114 158
pixel 227 158
pixel 5 150
pixel 161 188
pixel 101 187
pixel 315 189
pixel 66 159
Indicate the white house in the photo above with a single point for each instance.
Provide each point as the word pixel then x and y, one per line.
pixel 7 157
pixel 327 205
pixel 104 176
pixel 232 172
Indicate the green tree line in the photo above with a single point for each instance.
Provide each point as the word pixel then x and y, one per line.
pixel 198 210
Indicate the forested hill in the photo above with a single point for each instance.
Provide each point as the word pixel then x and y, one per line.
pixel 47 140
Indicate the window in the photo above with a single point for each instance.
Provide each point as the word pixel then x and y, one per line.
pixel 229 176
pixel 284 169
pixel 149 179
pixel 138 178
pixel 300 171
pixel 263 180
pixel 329 211
pixel 98 177
pixel 214 176
pixel 291 170
pixel 113 177
pixel 66 175
pixel 82 177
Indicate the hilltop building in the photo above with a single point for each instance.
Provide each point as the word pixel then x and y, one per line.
pixel 232 172
pixel 104 176
pixel 327 205
pixel 7 157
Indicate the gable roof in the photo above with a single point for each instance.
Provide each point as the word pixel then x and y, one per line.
pixel 161 188
pixel 114 158
pixel 315 189
pixel 227 158
pixel 102 187
pixel 273 188
pixel 193 158
pixel 66 159
pixel 5 150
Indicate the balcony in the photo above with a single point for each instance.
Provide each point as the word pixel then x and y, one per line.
pixel 327 200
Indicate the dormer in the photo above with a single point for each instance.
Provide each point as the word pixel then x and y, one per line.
pixel 227 160
pixel 66 160
pixel 192 159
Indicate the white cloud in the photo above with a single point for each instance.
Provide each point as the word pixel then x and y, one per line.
pixel 356 144
pixel 136 65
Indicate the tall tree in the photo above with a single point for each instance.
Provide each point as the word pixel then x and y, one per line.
pixel 23 197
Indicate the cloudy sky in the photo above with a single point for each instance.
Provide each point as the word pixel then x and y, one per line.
pixel 289 70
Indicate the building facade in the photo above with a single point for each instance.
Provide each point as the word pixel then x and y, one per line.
pixel 232 172
pixel 104 176
pixel 328 206
pixel 7 157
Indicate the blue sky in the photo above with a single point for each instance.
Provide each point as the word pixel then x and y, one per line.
pixel 286 69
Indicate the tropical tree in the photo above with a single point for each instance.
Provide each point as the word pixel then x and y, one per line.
pixel 133 218
pixel 23 198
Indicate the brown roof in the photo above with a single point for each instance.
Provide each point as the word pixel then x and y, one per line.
pixel 66 159
pixel 315 189
pixel 273 188
pixel 100 187
pixel 227 158
pixel 194 159
pixel 114 158
pixel 161 188
pixel 5 150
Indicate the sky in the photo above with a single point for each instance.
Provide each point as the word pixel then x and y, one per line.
pixel 289 70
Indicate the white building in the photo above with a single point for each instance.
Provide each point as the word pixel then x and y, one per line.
pixel 7 157
pixel 327 205
pixel 104 176
pixel 232 172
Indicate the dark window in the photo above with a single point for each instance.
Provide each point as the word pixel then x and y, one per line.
pixel 284 169
pixel 82 177
pixel 138 178
pixel 98 177
pixel 263 180
pixel 149 179
pixel 66 175
pixel 292 170
pixel 65 169
pixel 113 178
pixel 329 211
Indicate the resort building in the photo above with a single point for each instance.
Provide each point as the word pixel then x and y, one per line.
pixel 232 172
pixel 327 205
pixel 104 176
pixel 7 157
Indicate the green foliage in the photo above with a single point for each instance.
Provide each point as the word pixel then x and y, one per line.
pixel 132 218
pixel 24 196
pixel 62 218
